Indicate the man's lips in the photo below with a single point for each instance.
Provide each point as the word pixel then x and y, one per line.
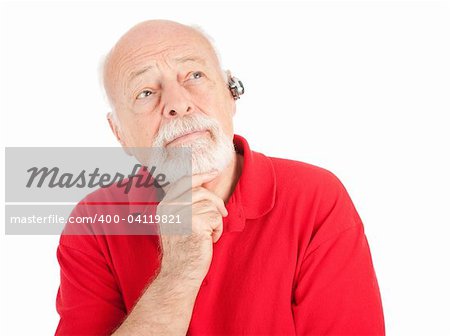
pixel 187 137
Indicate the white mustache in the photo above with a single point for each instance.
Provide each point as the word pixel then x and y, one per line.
pixel 182 126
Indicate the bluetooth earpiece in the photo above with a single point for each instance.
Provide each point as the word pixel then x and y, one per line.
pixel 236 87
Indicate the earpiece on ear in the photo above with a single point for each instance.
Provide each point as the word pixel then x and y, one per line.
pixel 236 87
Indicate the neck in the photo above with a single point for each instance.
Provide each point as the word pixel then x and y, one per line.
pixel 223 185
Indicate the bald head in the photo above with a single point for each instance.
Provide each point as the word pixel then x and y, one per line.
pixel 150 41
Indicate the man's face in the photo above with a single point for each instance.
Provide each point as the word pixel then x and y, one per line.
pixel 163 72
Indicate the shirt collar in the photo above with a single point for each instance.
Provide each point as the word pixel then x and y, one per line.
pixel 253 196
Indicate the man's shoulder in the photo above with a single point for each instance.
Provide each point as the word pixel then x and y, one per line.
pixel 102 217
pixel 90 211
pixel 298 174
pixel 111 193
pixel 306 187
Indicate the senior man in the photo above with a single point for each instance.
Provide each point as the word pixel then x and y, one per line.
pixel 277 246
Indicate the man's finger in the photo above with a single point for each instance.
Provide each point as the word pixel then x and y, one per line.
pixel 202 194
pixel 188 183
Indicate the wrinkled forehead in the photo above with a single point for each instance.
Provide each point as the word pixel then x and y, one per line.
pixel 167 42
pixel 172 55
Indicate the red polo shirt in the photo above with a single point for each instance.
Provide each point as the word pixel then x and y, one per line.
pixel 293 259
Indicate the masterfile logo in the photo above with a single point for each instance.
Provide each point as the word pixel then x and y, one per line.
pixel 55 179
pixel 44 184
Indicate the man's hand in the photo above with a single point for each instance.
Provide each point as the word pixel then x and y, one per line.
pixel 166 306
pixel 189 256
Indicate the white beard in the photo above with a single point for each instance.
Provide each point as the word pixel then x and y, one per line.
pixel 204 154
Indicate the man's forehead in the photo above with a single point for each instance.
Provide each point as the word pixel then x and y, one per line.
pixel 171 44
pixel 176 55
pixel 152 63
pixel 170 48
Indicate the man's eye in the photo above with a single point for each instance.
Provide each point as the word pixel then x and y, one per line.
pixel 144 94
pixel 197 75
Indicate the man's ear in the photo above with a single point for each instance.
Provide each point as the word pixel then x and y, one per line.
pixel 115 128
pixel 227 76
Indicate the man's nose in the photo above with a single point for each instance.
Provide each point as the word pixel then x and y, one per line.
pixel 177 102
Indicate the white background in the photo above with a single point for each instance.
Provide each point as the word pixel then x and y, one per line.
pixel 359 88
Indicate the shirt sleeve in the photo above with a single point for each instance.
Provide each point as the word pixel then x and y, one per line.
pixel 336 290
pixel 89 300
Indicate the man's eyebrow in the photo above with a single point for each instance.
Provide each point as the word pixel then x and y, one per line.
pixel 138 73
